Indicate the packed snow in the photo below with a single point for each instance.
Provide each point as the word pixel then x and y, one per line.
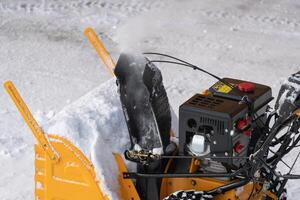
pixel 43 51
pixel 95 123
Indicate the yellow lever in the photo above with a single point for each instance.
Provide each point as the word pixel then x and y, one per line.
pixel 100 49
pixel 30 121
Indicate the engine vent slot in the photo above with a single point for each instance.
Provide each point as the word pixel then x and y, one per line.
pixel 204 101
pixel 217 124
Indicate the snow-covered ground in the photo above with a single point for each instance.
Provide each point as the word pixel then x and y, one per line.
pixel 43 51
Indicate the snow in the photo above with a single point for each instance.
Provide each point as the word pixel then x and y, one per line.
pixel 43 51
pixel 95 123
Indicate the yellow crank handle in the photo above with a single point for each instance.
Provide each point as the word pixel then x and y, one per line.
pixel 30 121
pixel 100 49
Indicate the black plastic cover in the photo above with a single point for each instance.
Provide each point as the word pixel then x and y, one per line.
pixel 144 100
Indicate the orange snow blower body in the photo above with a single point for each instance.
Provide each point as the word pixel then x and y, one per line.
pixel 62 171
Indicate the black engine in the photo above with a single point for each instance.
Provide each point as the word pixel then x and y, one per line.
pixel 220 123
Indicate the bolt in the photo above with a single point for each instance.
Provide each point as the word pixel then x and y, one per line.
pixel 193 182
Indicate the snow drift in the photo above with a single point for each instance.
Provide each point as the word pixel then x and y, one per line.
pixel 95 124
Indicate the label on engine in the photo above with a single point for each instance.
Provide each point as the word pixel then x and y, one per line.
pixel 221 87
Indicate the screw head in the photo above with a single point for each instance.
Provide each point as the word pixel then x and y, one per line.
pixel 193 182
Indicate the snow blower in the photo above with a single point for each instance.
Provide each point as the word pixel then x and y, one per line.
pixel 230 139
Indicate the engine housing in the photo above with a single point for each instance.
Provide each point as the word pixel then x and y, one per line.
pixel 223 119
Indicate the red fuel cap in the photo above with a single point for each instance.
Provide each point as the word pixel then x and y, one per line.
pixel 246 87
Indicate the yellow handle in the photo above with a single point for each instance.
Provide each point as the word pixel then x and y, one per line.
pixel 30 121
pixel 100 49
